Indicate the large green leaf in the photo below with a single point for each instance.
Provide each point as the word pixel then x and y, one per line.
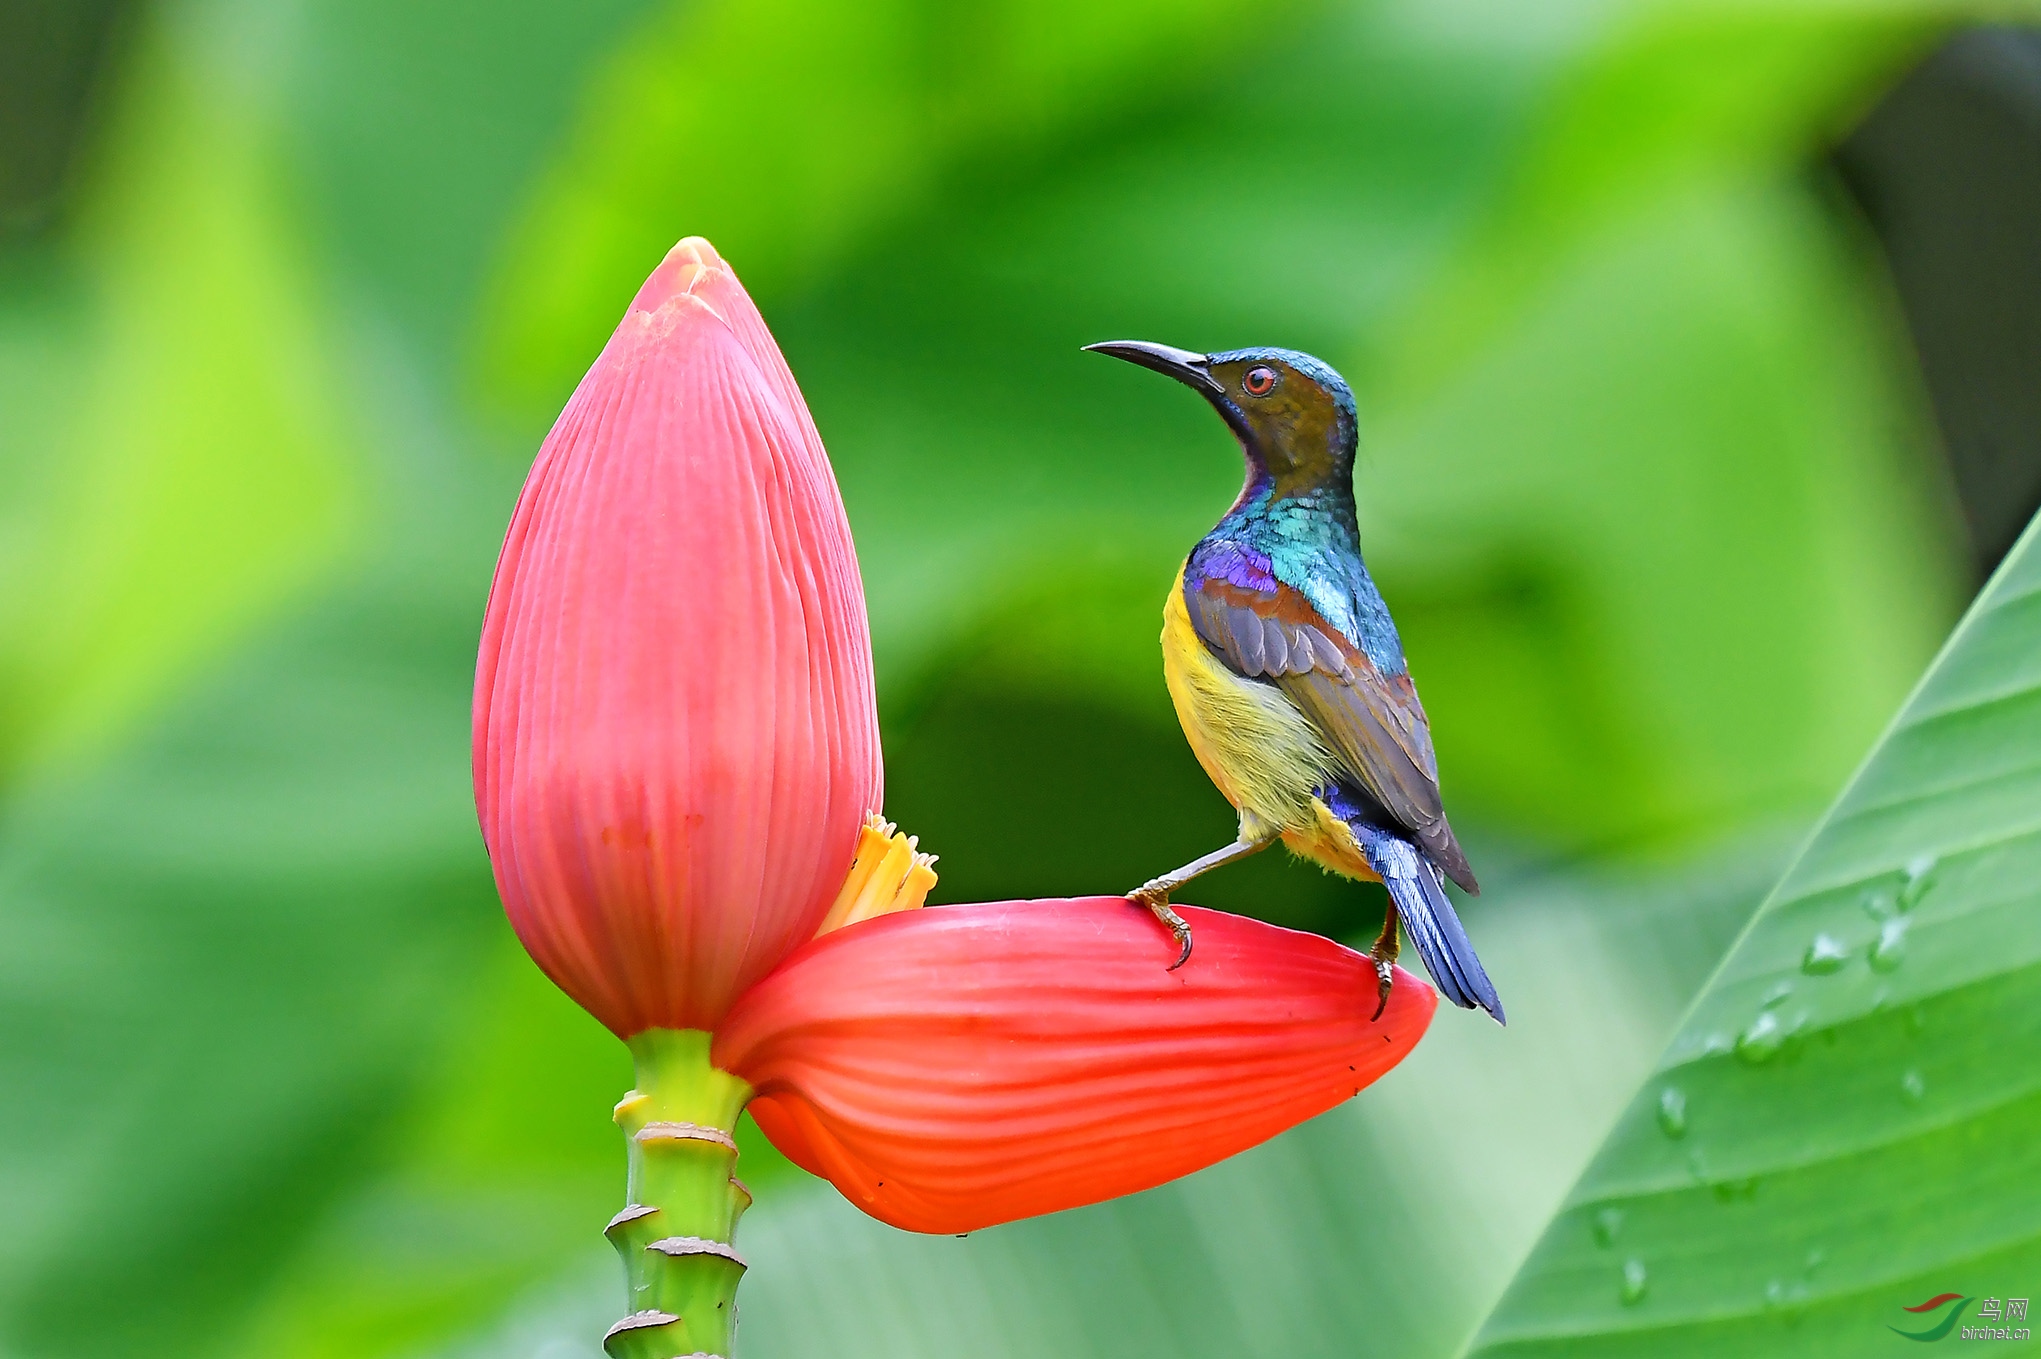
pixel 787 130
pixel 417 126
pixel 1656 342
pixel 1849 1120
pixel 173 444
pixel 242 898
pixel 1675 477
pixel 226 954
pixel 1668 96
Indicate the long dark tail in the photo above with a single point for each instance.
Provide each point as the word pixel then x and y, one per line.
pixel 1420 898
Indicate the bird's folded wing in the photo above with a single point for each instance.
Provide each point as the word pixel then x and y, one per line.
pixel 1373 722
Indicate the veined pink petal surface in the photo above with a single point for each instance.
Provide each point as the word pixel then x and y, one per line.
pixel 958 1066
pixel 675 736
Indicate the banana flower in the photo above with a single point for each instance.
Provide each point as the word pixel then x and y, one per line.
pixel 677 770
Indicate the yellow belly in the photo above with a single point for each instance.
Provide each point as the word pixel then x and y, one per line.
pixel 1262 752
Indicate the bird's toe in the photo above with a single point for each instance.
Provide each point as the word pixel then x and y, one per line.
pixel 1156 898
pixel 1385 981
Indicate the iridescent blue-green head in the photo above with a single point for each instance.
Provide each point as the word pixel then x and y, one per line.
pixel 1293 415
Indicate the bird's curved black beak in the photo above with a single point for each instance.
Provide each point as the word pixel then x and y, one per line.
pixel 1181 364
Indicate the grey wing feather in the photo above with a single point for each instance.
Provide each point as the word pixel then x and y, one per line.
pixel 1389 752
pixel 1375 726
pixel 1275 647
pixel 1245 628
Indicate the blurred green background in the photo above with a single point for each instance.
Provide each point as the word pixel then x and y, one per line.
pixel 1644 304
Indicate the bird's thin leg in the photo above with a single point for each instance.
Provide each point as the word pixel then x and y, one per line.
pixel 1387 945
pixel 1154 894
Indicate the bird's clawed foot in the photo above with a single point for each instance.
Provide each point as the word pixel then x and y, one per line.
pixel 1156 899
pixel 1387 945
pixel 1385 977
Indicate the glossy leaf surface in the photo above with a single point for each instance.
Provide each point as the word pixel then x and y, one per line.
pixel 1849 1121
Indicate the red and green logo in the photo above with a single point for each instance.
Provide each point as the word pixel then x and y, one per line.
pixel 1940 1330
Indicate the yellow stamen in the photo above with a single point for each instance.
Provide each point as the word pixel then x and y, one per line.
pixel 889 874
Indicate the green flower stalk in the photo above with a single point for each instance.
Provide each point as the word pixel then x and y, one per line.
pixel 676 1239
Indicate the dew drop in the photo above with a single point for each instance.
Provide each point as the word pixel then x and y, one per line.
pixel 1919 871
pixel 1672 1111
pixel 1730 1191
pixel 1912 1088
pixel 1890 950
pixel 1776 993
pixel 1815 1259
pixel 1825 955
pixel 1789 1299
pixel 1880 904
pixel 1761 1041
pixel 1635 1281
pixel 1916 1018
pixel 1608 1226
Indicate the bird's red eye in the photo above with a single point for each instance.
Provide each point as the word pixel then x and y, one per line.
pixel 1259 381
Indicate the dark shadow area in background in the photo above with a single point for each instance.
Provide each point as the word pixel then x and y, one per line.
pixel 1947 169
pixel 53 54
pixel 1087 800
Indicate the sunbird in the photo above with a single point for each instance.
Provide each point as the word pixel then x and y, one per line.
pixel 1288 675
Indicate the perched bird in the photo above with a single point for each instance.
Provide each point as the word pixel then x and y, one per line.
pixel 1287 673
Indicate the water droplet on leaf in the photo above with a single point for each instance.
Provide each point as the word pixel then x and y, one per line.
pixel 1672 1111
pixel 1729 1191
pixel 1778 992
pixel 1608 1226
pixel 1635 1281
pixel 1880 903
pixel 1890 950
pixel 1919 872
pixel 1761 1041
pixel 1912 1088
pixel 1825 955
pixel 1789 1299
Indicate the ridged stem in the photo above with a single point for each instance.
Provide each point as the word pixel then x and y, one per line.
pixel 675 1234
